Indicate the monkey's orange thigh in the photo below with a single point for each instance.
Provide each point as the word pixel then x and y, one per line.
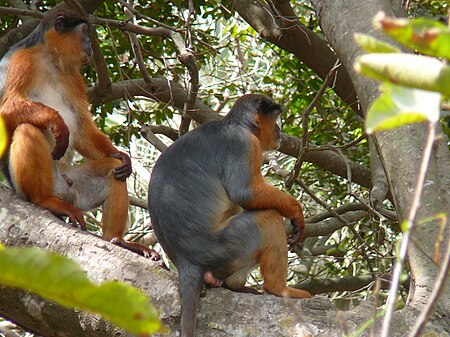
pixel 30 163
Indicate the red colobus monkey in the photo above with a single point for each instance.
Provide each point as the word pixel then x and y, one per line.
pixel 45 109
pixel 212 211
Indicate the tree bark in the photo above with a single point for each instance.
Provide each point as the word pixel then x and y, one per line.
pixel 401 149
pixel 221 312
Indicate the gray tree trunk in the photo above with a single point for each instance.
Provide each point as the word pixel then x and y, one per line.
pixel 401 149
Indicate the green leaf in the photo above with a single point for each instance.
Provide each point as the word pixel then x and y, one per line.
pixel 61 280
pixel 415 71
pixel 3 137
pixel 422 34
pixel 398 106
pixel 373 45
pixel 404 226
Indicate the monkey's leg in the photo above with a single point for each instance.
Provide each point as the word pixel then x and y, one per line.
pixel 115 206
pixel 272 255
pixel 31 169
pixel 236 281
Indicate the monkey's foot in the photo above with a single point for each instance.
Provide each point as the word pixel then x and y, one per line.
pixel 137 248
pixel 243 289
pixel 211 281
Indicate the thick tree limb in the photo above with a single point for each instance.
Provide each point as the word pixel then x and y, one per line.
pixel 331 225
pixel 283 29
pixel 169 92
pixel 400 148
pixel 221 312
pixel 24 224
pixel 346 283
pixel 148 134
pixel 159 89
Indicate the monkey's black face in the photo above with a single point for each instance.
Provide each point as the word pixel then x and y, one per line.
pixel 85 43
pixel 278 136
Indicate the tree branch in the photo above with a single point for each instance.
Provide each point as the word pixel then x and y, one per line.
pixel 22 223
pixel 284 30
pixel 346 283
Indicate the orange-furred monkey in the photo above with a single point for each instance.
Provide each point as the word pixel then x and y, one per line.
pixel 45 109
pixel 212 211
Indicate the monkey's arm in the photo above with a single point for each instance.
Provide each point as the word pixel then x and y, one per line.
pixel 93 144
pixel 266 196
pixel 16 108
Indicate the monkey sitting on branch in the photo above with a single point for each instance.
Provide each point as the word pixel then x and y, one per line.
pixel 213 213
pixel 45 109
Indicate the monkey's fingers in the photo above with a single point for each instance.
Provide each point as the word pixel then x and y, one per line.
pixel 137 248
pixel 297 234
pixel 294 238
pixel 76 218
pixel 61 134
pixel 123 171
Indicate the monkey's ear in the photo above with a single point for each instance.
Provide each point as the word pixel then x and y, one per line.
pixel 60 23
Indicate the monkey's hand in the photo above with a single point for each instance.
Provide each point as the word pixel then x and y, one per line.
pixel 297 234
pixel 297 222
pixel 123 171
pixel 61 134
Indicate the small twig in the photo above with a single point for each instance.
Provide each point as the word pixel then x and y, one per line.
pixel 129 27
pixel 342 220
pixel 152 139
pixel 136 47
pixel 142 16
pixel 19 12
pixel 192 70
pixel 305 119
pixel 409 226
pixel 279 170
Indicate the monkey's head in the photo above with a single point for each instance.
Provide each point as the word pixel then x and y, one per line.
pixel 259 113
pixel 65 35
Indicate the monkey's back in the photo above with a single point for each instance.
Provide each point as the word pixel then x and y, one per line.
pixel 193 192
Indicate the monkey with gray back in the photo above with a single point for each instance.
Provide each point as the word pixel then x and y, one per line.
pixel 214 214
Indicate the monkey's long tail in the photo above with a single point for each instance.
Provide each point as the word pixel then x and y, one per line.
pixel 191 284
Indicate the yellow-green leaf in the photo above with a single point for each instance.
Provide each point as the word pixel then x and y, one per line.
pixel 425 35
pixel 373 45
pixel 61 280
pixel 399 105
pixel 416 71
pixel 404 226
